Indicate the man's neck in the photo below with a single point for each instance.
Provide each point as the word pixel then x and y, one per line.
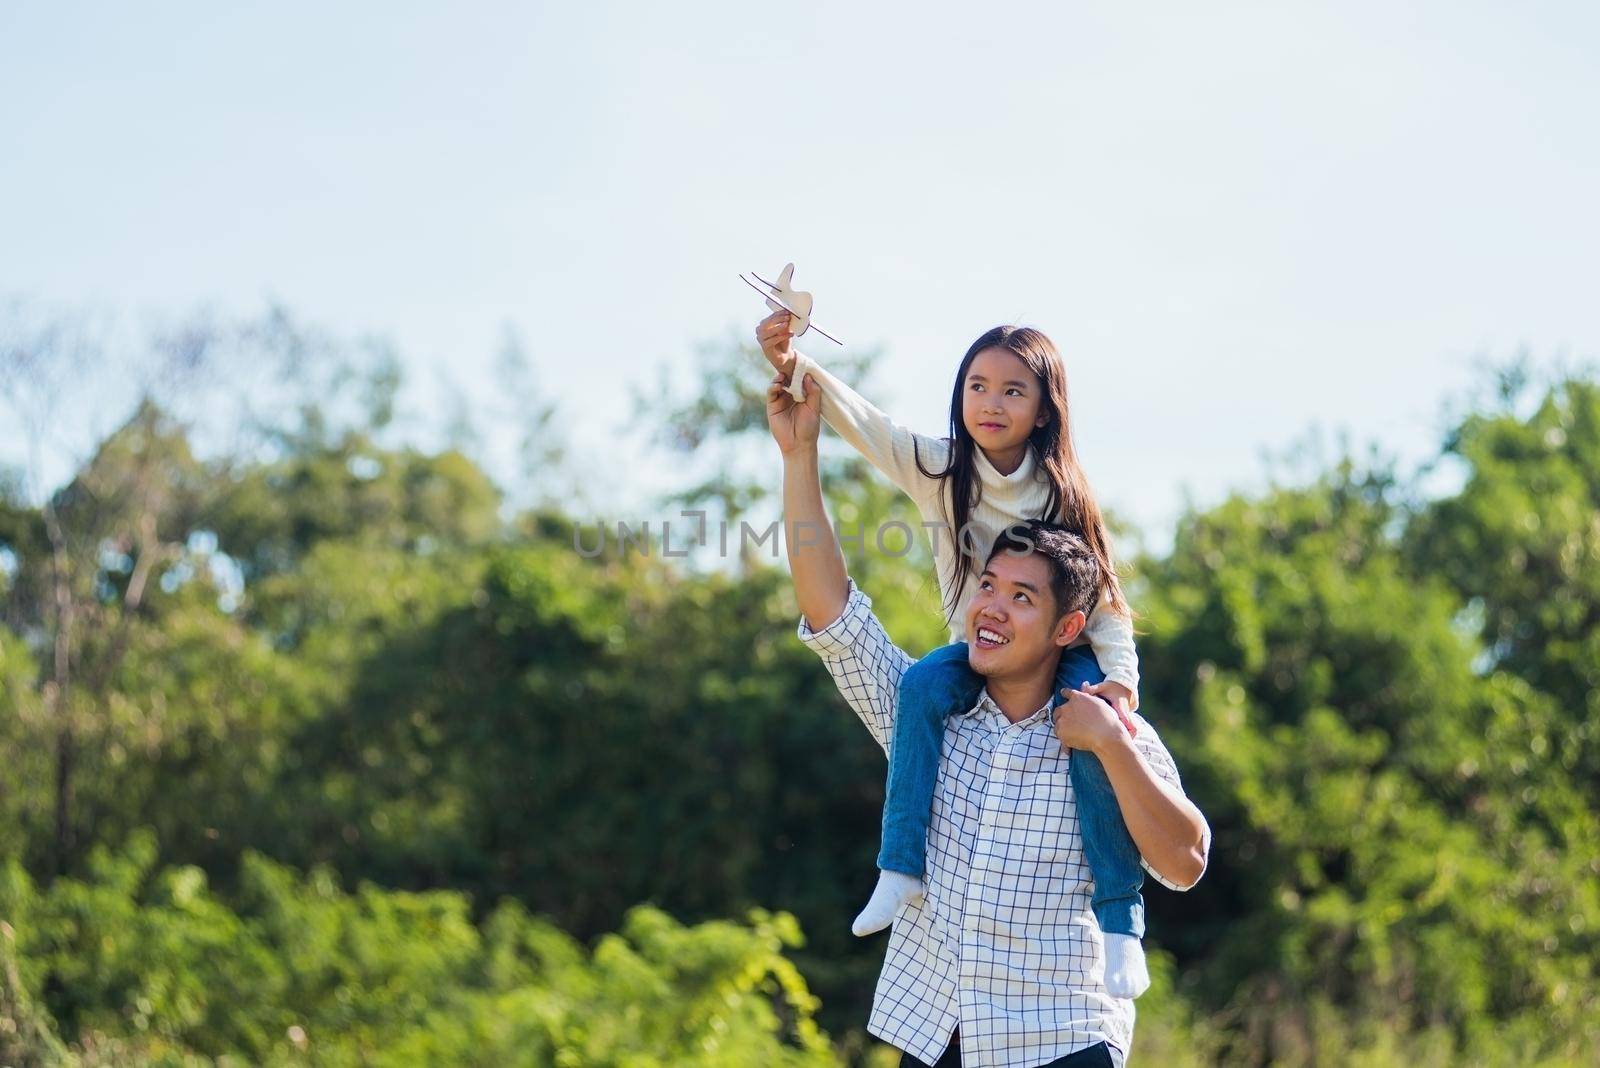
pixel 1021 696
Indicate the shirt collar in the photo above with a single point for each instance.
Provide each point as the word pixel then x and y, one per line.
pixel 986 705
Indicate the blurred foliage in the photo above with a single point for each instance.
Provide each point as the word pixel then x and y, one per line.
pixel 149 966
pixel 1399 833
pixel 355 493
pixel 347 666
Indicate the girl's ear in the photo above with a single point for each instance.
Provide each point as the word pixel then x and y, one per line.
pixel 1043 420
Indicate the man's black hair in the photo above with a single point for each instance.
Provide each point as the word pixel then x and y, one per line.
pixel 1075 576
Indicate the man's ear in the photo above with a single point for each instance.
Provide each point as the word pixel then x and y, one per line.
pixel 1068 627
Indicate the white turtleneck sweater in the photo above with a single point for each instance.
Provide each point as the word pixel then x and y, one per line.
pixel 1006 499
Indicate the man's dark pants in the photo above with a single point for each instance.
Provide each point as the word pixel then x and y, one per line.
pixel 1099 1055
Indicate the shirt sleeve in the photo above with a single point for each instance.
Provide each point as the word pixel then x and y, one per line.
pixel 1110 635
pixel 886 444
pixel 1160 761
pixel 864 663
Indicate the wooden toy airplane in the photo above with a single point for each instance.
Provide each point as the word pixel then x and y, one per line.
pixel 784 298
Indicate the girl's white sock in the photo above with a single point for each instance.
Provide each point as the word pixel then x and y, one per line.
pixel 1126 974
pixel 893 890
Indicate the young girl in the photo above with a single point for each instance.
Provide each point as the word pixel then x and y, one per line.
pixel 1009 458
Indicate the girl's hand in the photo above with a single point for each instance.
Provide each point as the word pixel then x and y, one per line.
pixel 794 424
pixel 1118 697
pixel 776 343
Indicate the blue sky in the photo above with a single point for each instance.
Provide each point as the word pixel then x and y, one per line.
pixel 1238 221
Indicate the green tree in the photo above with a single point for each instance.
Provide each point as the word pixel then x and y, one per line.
pixel 138 965
pixel 1520 543
pixel 1369 786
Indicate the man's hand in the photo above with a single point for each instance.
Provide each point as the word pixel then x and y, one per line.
pixel 1170 832
pixel 794 424
pixel 1084 721
pixel 1118 697
pixel 776 343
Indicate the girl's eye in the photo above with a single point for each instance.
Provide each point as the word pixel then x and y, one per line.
pixel 1013 392
pixel 1022 597
pixel 983 585
pixel 976 387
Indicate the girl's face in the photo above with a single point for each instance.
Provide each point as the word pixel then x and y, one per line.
pixel 1001 401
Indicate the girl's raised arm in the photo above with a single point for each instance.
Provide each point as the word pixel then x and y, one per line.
pixel 887 445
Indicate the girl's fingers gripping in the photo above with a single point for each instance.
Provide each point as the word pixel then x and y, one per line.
pixel 765 329
pixel 774 338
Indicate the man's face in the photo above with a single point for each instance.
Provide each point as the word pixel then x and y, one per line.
pixel 1012 626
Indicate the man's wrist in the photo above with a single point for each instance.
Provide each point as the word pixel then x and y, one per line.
pixel 803 454
pixel 1118 744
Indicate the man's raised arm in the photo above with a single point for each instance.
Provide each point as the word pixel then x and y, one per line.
pixel 821 583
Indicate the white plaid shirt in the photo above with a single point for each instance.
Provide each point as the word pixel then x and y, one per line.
pixel 1004 943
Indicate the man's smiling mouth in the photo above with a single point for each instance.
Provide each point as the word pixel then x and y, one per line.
pixel 991 639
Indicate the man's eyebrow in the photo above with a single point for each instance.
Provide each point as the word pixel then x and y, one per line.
pixel 1030 587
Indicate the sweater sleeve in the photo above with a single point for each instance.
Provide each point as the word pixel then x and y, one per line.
pixel 887 445
pixel 1110 635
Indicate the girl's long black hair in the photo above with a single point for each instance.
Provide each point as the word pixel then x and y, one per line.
pixel 1070 502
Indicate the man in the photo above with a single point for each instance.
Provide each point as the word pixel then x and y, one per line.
pixel 1001 963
